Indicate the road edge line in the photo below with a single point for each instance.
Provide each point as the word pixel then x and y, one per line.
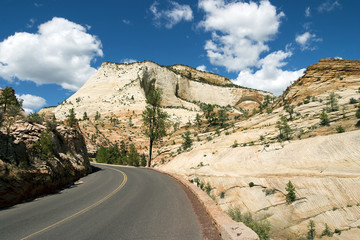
pixel 228 228
pixel 81 211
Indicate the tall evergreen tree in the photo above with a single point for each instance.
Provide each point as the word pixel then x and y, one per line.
pixel 71 118
pixel 154 120
pixel 7 98
pixel 133 156
pixel 187 140
pixel 332 101
pixel 284 128
pixel 311 233
pixel 290 196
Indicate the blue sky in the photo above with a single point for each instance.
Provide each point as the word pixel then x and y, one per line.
pixel 49 48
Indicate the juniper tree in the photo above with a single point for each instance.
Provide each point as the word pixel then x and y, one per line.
pixel 154 120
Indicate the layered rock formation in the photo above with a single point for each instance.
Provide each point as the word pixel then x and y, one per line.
pixel 25 171
pixel 322 77
pixel 119 91
pixel 322 164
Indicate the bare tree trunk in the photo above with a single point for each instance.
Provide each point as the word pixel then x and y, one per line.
pixel 150 152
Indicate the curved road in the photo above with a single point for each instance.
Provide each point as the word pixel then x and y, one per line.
pixel 112 203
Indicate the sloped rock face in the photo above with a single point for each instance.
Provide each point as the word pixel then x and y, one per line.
pixel 119 91
pixel 322 77
pixel 322 163
pixel 25 174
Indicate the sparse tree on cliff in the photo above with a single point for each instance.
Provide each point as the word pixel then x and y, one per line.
pixel 332 101
pixel 7 98
pixel 71 118
pixel 154 120
pixel 290 196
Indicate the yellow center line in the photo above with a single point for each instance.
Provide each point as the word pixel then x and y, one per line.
pixel 82 211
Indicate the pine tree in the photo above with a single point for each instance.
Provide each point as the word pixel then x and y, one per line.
pixel 222 117
pixel 133 157
pixel 198 120
pixel 154 120
pixel 324 119
pixel 71 118
pixel 102 155
pixel 290 196
pixel 7 98
pixel 332 101
pixel 284 129
pixel 143 160
pixel 290 110
pixel 311 232
pixel 187 140
pixel 85 116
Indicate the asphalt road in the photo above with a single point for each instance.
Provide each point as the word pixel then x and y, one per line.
pixel 112 203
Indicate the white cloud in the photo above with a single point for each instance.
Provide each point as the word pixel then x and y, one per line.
pixel 329 5
pixel 239 31
pixel 270 77
pixel 172 16
pixel 201 68
pixel 60 53
pixel 31 102
pixel 128 60
pixel 306 39
pixel 126 21
pixel 31 23
pixel 307 12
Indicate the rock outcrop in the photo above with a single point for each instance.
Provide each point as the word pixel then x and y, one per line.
pixel 328 75
pixel 31 165
pixel 322 163
pixel 118 93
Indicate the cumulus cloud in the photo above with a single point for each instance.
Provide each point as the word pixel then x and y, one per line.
pixel 306 39
pixel 59 53
pixel 270 76
pixel 239 35
pixel 201 68
pixel 31 102
pixel 172 16
pixel 329 5
pixel 307 12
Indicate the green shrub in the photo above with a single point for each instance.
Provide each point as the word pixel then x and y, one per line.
pixel 262 228
pixel 324 119
pixel 34 118
pixel 222 195
pixel 251 184
pixel 340 129
pixel 352 101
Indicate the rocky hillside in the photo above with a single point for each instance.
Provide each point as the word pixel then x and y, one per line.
pixel 37 159
pixel 249 163
pixel 117 92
